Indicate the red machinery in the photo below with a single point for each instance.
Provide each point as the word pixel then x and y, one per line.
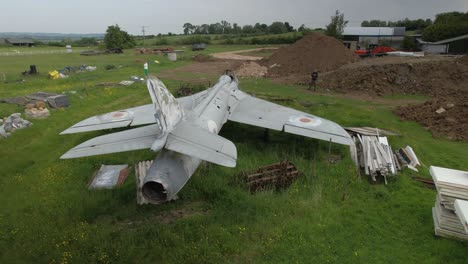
pixel 374 50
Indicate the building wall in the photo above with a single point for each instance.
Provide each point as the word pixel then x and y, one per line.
pixel 433 48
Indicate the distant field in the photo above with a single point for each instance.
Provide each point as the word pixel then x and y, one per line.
pixel 47 214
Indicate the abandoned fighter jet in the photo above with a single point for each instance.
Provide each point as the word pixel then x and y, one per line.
pixel 185 131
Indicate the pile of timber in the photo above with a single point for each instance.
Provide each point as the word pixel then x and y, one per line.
pixel 279 175
pixel 376 157
pixel 450 211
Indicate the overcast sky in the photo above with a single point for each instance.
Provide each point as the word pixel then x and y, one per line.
pixel 162 16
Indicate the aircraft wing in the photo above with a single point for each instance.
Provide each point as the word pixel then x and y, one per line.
pixel 253 111
pixel 135 116
pixel 195 141
pixel 133 139
pixel 140 115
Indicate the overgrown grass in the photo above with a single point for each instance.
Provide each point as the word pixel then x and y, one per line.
pixel 49 216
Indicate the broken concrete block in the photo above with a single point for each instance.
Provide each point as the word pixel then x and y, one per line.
pixel 37 113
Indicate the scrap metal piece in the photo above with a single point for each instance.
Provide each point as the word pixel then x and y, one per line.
pixel 109 176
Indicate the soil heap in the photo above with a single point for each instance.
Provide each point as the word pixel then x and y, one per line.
pixel 313 52
pixel 436 78
pixel 443 116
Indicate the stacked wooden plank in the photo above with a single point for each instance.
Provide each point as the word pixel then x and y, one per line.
pixel 278 175
pixel 451 185
pixel 376 156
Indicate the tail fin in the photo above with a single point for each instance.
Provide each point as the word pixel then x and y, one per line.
pixel 168 112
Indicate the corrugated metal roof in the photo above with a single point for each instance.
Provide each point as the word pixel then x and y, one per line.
pixel 450 39
pixel 19 41
pixel 370 31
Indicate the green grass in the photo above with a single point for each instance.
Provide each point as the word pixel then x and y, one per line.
pixel 47 214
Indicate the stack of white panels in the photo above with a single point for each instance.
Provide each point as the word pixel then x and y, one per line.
pixel 461 209
pixel 452 185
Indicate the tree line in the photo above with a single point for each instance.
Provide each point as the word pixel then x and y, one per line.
pixel 225 27
pixel 445 25
pixel 409 24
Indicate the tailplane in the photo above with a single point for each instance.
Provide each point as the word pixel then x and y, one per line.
pixel 168 111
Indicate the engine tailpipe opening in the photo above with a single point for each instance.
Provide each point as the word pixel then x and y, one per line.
pixel 154 191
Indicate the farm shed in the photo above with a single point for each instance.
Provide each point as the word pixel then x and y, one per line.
pixel 362 37
pixel 20 41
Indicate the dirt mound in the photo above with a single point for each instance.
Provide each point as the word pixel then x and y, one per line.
pixel 251 69
pixel 314 51
pixel 435 78
pixel 447 117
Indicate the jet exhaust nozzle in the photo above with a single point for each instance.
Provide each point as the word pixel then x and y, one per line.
pixel 167 175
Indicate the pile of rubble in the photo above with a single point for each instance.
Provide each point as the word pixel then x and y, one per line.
pixel 37 110
pixel 64 72
pixel 251 69
pixel 11 124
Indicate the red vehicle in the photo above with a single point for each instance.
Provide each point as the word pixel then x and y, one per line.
pixel 374 50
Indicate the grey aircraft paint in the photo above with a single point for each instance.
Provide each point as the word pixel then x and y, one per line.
pixel 184 131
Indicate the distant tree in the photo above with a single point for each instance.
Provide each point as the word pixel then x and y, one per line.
pixel 373 23
pixel 289 28
pixel 188 28
pixel 225 26
pixel 215 28
pixel 261 28
pixel 117 38
pixel 277 28
pixel 248 29
pixel 447 25
pixel 337 25
pixel 451 18
pixel 236 29
pixel 204 29
pixel 85 42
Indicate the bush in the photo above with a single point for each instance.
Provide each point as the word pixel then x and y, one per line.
pixel 409 44
pixel 161 41
pixel 194 40
pixel 438 32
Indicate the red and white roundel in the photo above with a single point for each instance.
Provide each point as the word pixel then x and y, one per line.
pixel 305 121
pixel 117 115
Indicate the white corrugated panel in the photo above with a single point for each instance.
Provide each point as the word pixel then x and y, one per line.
pixel 368 31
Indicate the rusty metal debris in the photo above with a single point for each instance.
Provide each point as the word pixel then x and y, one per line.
pixel 427 182
pixel 279 175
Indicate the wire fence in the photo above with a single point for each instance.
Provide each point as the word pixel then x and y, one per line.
pixel 36 52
